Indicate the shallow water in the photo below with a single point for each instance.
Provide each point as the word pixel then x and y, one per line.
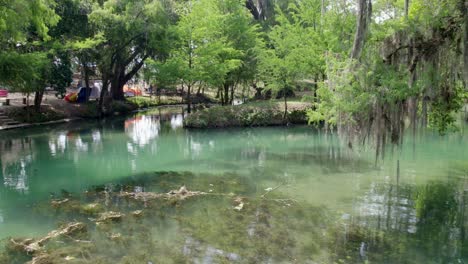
pixel 328 204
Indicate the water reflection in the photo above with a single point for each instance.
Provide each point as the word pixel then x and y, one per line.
pixel 16 155
pixel 142 129
pixel 177 121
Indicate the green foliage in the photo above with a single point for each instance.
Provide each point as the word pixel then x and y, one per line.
pixel 22 72
pixel 17 17
pixel 247 115
pixel 294 50
pixel 214 44
pixel 443 116
pixel 145 102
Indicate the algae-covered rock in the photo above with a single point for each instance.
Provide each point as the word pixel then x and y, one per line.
pixel 110 216
pixel 137 213
pixel 92 208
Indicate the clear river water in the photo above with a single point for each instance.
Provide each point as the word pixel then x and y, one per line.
pixel 269 195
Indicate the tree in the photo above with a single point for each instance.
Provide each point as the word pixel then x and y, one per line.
pixel 294 53
pixel 127 33
pixel 409 68
pixel 22 21
pixel 213 47
pixel 17 16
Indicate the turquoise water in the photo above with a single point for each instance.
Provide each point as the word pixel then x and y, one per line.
pixel 407 208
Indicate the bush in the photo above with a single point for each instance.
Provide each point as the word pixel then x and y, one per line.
pixel 147 102
pixel 243 116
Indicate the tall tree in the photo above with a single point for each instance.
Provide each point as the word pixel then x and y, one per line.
pixel 132 31
pixel 294 52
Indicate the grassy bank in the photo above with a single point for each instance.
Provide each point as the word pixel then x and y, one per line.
pixel 264 113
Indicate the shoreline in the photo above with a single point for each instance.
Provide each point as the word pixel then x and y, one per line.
pixel 29 125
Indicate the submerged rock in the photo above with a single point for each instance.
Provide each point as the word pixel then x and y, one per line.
pixel 92 208
pixel 109 217
pixel 116 236
pixel 239 203
pixel 137 213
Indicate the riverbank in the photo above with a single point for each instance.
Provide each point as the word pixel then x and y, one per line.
pixel 54 110
pixel 261 113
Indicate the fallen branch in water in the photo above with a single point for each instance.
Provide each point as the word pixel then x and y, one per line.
pixel 32 246
pixel 269 190
pixel 180 194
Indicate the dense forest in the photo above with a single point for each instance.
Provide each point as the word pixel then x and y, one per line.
pixel 374 66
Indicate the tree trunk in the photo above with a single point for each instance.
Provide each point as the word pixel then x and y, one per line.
pixel 117 91
pixel 231 100
pixel 104 88
pixel 226 94
pixel 121 76
pixel 189 99
pixel 117 85
pixel 182 94
pixel 363 20
pixel 253 9
pixel 406 8
pixel 285 117
pixel 38 100
pixel 465 52
pixel 221 95
pixel 86 78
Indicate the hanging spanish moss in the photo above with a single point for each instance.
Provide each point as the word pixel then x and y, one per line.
pixel 416 81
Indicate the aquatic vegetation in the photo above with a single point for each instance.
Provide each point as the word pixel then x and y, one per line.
pixel 211 224
pixel 162 217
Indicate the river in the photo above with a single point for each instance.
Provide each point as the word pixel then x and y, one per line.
pixel 286 195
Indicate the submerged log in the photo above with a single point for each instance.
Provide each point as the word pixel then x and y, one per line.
pixel 32 246
pixel 57 203
pixel 181 194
